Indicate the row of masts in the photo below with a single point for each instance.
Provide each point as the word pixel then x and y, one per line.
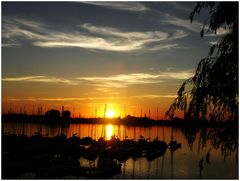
pixel 23 110
pixel 125 114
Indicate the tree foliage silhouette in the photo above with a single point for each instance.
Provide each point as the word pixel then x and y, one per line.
pixel 212 93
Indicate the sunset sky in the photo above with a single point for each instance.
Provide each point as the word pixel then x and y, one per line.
pixel 131 56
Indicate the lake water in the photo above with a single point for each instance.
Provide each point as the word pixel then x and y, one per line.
pixel 215 149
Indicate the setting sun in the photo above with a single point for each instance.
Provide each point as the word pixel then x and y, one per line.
pixel 110 113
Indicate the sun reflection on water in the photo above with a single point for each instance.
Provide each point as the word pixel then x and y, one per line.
pixel 109 131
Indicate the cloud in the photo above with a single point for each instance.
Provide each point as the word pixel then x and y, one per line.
pixel 26 78
pixel 77 99
pixel 179 34
pixel 59 99
pixel 112 81
pixel 164 47
pixel 124 80
pixel 10 44
pixel 124 6
pixel 40 78
pixel 114 32
pixel 106 38
pixel 154 96
pixel 17 27
pixel 170 68
pixel 195 26
pixel 220 31
pixel 89 36
pixel 213 42
pixel 180 75
pixel 183 23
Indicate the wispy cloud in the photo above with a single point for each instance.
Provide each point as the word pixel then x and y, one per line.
pixel 181 75
pixel 78 99
pixel 9 44
pixel 164 47
pixel 124 80
pixel 24 78
pixel 195 26
pixel 89 36
pixel 114 32
pixel 213 42
pixel 154 96
pixel 183 23
pixel 59 99
pixel 121 80
pixel 124 6
pixel 220 31
pixel 19 27
pixel 40 78
pixel 112 81
pixel 179 34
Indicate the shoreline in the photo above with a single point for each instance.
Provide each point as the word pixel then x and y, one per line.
pixel 128 121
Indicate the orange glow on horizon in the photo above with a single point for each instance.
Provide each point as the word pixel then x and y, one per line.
pixel 94 109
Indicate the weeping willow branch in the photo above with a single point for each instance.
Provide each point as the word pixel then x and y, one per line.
pixel 212 93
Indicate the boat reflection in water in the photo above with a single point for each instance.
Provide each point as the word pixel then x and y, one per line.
pixel 203 153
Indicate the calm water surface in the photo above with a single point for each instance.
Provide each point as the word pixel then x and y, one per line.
pixel 216 147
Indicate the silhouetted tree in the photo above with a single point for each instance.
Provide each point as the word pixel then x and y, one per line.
pixel 52 115
pixel 212 93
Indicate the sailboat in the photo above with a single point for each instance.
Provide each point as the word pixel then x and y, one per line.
pixel 173 145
